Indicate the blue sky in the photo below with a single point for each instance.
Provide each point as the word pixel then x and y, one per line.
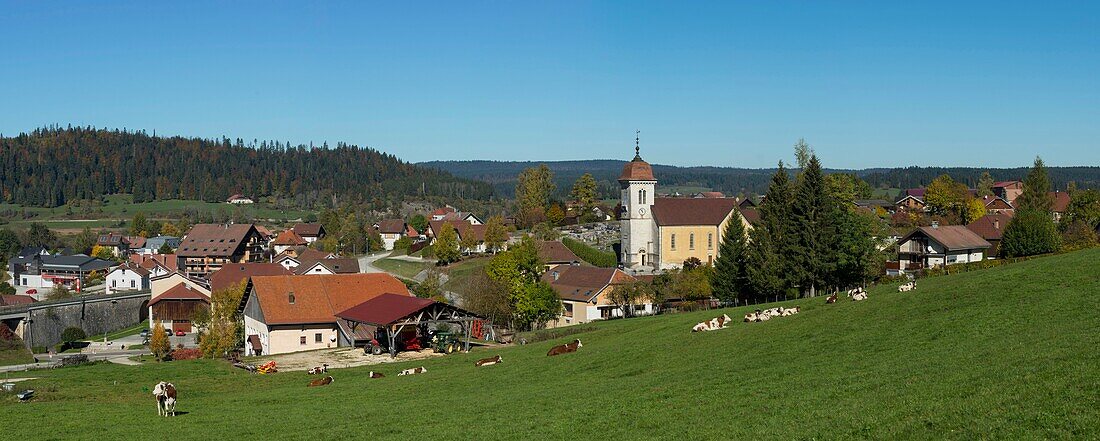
pixel 714 83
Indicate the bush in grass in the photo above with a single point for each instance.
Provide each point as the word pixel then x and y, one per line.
pixel 402 244
pixel 186 354
pixel 158 342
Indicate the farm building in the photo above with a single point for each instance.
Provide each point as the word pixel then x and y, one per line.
pixel 175 308
pixel 585 293
pixel 127 277
pixel 298 313
pixel 930 247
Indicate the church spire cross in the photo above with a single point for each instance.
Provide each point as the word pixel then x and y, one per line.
pixel 637 145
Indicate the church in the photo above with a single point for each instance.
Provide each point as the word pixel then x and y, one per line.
pixel 662 232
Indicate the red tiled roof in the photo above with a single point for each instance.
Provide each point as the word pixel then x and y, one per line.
pixel 313 254
pixel 132 267
pixel 150 261
pixel 233 273
pixel 953 237
pixel 135 241
pixel 318 298
pixel 463 228
pixel 181 291
pixel 391 226
pixel 442 211
pixel 1001 184
pixel 553 251
pixel 1061 201
pixel 990 226
pixel 583 283
pixel 712 194
pixel 214 240
pixel 289 238
pixel 916 192
pixel 411 232
pixel 692 211
pixel 752 215
pixel 637 170
pixel 308 230
pixel 385 309
pixel 15 299
pixel 996 203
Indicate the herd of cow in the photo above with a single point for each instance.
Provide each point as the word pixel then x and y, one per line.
pixel 165 393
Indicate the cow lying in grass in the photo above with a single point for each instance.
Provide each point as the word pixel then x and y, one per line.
pixel 787 312
pixel 907 287
pixel 564 349
pixel 767 314
pixel 831 299
pixel 413 371
pixel 489 361
pixel 713 324
pixel 857 294
pixel 321 382
pixel 323 368
pixel 374 374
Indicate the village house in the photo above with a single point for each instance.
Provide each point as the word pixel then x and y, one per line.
pixel 175 308
pixel 231 275
pixel 585 293
pixel 1061 202
pixel 393 230
pixel 991 227
pixel 239 199
pixel 997 205
pixel 287 240
pixel 46 271
pixel 157 264
pixel 448 213
pixel 160 284
pixel 118 243
pixel 285 314
pixel 207 247
pixel 911 203
pixel 663 232
pixel 154 244
pixel 328 266
pixel 310 232
pixel 464 229
pixel 127 277
pixel 936 246
pixel 553 253
pixel 1008 190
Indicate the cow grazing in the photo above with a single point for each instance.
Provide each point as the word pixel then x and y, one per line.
pixel 413 371
pixel 831 299
pixel 374 374
pixel 322 369
pixel 321 381
pixel 564 349
pixel 489 361
pixel 165 393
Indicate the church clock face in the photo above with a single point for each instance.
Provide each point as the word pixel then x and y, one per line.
pixel 641 211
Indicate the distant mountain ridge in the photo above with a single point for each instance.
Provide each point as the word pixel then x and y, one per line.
pixel 734 181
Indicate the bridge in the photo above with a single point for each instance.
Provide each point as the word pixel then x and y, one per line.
pixel 41 323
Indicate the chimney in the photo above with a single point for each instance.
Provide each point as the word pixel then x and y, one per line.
pixel 556 275
pixel 997 224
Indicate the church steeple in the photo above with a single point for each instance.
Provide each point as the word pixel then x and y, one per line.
pixel 637 169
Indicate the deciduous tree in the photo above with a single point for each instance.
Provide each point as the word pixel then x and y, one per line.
pixel 495 234
pixel 446 244
pixel 158 342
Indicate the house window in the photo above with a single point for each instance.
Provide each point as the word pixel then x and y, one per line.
pixel 641 197
pixel 317 338
pixel 568 310
pixel 114 283
pixel 605 313
pixel 133 283
pixel 673 241
pixel 710 241
pixel 302 340
pixel 691 241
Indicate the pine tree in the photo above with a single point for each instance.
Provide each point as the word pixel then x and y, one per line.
pixel 1032 230
pixel 815 217
pixel 771 241
pixel 729 280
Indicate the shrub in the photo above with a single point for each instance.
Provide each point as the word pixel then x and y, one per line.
pixel 72 334
pixel 402 244
pixel 186 354
pixel 591 255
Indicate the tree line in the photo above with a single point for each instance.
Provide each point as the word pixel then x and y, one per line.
pixel 51 166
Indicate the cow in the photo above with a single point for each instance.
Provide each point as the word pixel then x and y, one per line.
pixel 489 361
pixel 860 296
pixel 713 324
pixel 831 299
pixel 321 381
pixel 704 326
pixel 907 287
pixel 322 369
pixel 374 374
pixel 752 316
pixel 790 311
pixel 165 393
pixel 413 371
pixel 564 349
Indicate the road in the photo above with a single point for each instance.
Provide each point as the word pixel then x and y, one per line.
pixel 46 361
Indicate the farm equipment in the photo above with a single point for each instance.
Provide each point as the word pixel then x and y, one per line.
pixel 267 368
pixel 445 342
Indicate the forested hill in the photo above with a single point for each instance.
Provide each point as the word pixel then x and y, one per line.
pixel 502 174
pixel 51 166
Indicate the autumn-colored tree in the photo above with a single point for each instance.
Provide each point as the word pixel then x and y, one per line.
pixel 158 342
pixel 170 229
pixel 974 209
pixel 446 244
pixel 495 234
pixel 468 242
pixel 534 187
pixel 555 215
pixel 584 196
pixel 223 333
pixel 102 252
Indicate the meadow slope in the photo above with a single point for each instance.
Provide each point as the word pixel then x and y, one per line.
pixel 1009 352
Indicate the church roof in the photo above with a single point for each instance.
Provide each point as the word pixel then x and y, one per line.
pixel 692 211
pixel 637 170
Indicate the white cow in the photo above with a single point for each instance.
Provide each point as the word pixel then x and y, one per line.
pixel 413 371
pixel 907 287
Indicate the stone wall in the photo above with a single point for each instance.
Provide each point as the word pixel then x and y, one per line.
pixel 94 317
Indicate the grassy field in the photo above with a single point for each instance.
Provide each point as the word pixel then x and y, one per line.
pixel 458 273
pixel 121 207
pixel 17 355
pixel 403 268
pixel 1005 353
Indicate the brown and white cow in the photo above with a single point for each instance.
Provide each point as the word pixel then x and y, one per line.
pixel 165 393
pixel 907 287
pixel 489 361
pixel 713 324
pixel 374 374
pixel 413 371
pixel 564 349
pixel 323 368
pixel 831 299
pixel 321 382
pixel 787 312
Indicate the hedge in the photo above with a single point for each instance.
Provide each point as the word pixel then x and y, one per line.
pixel 591 255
